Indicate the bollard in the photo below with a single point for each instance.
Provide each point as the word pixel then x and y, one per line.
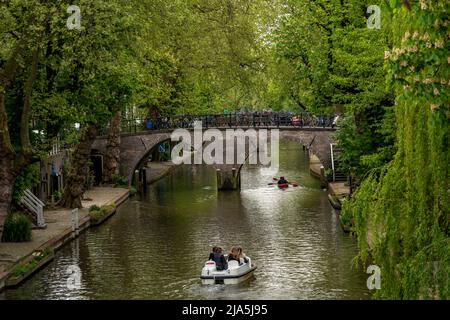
pixel 144 180
pixel 219 179
pixel 228 180
pixel 235 179
pixel 75 223
pixel 136 179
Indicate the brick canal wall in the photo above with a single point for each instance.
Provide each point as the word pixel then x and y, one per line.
pixel 318 142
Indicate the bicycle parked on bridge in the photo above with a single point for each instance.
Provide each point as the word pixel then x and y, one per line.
pixel 257 119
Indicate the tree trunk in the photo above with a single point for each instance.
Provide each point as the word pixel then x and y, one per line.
pixel 11 164
pixel 7 179
pixel 112 155
pixel 79 171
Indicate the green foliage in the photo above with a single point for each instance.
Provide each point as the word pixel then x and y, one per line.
pixel 120 181
pixel 27 179
pixel 133 191
pixel 358 79
pixel 384 149
pixel 401 211
pixel 329 174
pixel 366 146
pixel 58 195
pixel 98 214
pixel 346 217
pixel 109 208
pixel 17 228
pixel 24 268
pixel 326 59
pixel 94 208
pixel 204 56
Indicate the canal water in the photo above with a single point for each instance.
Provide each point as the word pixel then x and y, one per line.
pixel 156 245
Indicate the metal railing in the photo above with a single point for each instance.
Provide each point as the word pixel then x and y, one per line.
pixel 56 149
pixel 332 160
pixel 35 206
pixel 233 120
pixel 338 175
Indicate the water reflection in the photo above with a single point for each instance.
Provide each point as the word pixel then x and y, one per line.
pixel 154 247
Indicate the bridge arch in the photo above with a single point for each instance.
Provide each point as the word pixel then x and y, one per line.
pixel 135 148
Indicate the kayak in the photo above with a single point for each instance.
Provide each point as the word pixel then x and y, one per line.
pixel 283 185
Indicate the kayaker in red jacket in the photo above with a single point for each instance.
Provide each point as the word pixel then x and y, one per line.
pixel 282 181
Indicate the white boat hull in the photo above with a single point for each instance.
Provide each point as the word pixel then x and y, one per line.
pixel 233 275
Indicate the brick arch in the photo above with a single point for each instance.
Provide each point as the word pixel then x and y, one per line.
pixel 133 150
pixel 136 147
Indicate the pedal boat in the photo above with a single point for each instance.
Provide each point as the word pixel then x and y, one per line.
pixel 233 275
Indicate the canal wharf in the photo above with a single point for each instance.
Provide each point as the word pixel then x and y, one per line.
pixel 18 261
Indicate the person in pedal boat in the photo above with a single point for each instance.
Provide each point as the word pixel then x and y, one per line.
pixel 242 257
pixel 237 255
pixel 282 181
pixel 217 256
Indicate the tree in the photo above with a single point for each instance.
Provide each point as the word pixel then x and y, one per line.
pixel 207 55
pixel 401 211
pixel 329 61
pixel 358 80
pixel 105 83
pixel 52 78
pixel 19 65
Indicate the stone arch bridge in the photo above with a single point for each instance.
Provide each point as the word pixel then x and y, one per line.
pixel 135 148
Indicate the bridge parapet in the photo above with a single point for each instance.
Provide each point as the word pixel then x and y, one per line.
pixel 233 120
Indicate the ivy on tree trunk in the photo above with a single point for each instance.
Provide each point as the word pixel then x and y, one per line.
pixel 76 182
pixel 112 155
